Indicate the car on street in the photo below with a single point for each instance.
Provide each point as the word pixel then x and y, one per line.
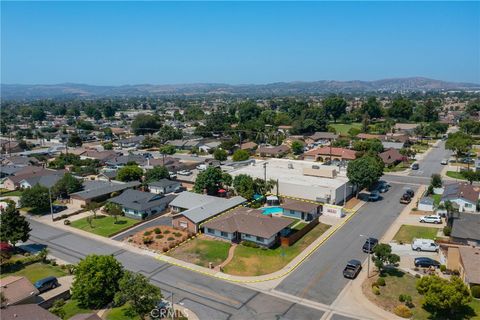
pixel 172 175
pixel 425 262
pixel 405 199
pixel 415 166
pixel 352 269
pixel 431 219
pixel 184 172
pixel 374 196
pixel 46 284
pixel 419 244
pixel 410 192
pixel 369 245
pixel 444 162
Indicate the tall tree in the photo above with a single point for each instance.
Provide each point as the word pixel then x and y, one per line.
pixel 96 281
pixel 36 197
pixel 244 186
pixel 382 255
pixel 211 180
pixel 13 226
pixel 459 143
pixel 129 173
pixel 335 106
pixel 145 124
pixel 67 185
pixel 372 107
pixel 297 147
pixel 401 108
pixel 365 171
pixel 220 154
pixel 156 173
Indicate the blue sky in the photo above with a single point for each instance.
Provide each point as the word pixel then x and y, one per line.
pixel 115 43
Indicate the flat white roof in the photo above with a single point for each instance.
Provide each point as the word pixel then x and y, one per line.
pixel 279 169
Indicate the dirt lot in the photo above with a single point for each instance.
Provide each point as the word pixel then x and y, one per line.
pixel 159 238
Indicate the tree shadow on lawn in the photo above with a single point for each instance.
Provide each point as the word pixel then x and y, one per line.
pixel 120 222
pixel 466 312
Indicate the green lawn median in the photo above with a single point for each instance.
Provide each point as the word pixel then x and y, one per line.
pixel 104 225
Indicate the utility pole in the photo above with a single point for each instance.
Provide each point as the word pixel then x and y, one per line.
pixel 265 175
pixel 50 198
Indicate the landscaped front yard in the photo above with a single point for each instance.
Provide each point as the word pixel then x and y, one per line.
pixel 399 167
pixel 406 233
pixel 71 308
pixel 104 225
pixel 436 199
pixel 160 238
pixel 35 271
pixel 202 250
pixel 249 261
pixel 342 128
pixel 455 175
pixel 398 282
pixel 11 193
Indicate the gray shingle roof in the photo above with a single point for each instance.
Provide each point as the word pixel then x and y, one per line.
pixel 163 183
pixel 95 189
pixel 45 181
pixel 139 200
pixel 201 207
pixel 467 227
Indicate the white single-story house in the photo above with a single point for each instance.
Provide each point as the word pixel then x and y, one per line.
pixel 164 186
pixel 465 196
pixel 141 205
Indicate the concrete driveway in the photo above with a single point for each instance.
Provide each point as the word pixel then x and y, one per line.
pixel 159 221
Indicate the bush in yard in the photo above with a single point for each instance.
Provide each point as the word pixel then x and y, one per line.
pixel 402 311
pixel 177 234
pixel 147 233
pixel 157 230
pixel 57 308
pixel 250 244
pixel 447 230
pixel 170 238
pixel 159 236
pixel 475 291
pixel 147 240
pixel 376 290
pixel 381 282
pixel 443 268
pixel 165 249
pixel 166 231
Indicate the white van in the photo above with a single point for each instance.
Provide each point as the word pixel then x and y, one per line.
pixel 202 167
pixel 424 245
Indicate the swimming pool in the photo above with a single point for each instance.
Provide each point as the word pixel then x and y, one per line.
pixel 272 210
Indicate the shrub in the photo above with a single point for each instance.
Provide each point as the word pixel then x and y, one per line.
pixel 406 298
pixel 475 291
pixel 147 233
pixel 177 234
pixel 66 222
pixel 381 282
pixel 165 249
pixel 443 268
pixel 157 230
pixel 376 290
pixel 170 238
pixel 166 231
pixel 402 311
pixel 159 236
pixel 447 230
pixel 171 245
pixel 418 276
pixel 147 240
pixel 250 244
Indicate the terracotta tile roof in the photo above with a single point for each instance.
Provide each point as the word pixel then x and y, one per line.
pixel 248 145
pixel 249 221
pixel 334 151
pixel 274 150
pixel 471 261
pixel 370 136
pixel 17 289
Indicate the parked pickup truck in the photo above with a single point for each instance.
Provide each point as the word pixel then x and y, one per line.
pixel 352 269
pixel 405 199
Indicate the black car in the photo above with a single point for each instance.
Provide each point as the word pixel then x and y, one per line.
pixel 46 284
pixel 415 166
pixel 410 192
pixel 352 269
pixel 369 245
pixel 424 262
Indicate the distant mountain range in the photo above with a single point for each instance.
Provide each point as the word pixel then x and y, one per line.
pixel 72 90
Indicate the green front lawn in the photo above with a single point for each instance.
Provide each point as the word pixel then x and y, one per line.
pixel 398 282
pixel 249 261
pixel 342 128
pixel 104 225
pixel 35 271
pixel 399 167
pixel 436 199
pixel 201 251
pixel 14 193
pixel 120 313
pixel 406 233
pixel 71 308
pixel 455 175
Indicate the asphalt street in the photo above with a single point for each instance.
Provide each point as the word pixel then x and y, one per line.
pixel 209 298
pixel 320 278
pixel 431 163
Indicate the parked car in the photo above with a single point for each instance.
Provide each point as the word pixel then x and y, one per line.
pixel 352 269
pixel 410 192
pixel 374 196
pixel 369 245
pixel 384 187
pixel 202 167
pixel 444 162
pixel 415 166
pixel 431 219
pixel 405 199
pixel 57 208
pixel 172 175
pixel 46 284
pixel 184 172
pixel 424 262
pixel 424 245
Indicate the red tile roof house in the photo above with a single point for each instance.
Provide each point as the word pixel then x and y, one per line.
pixel 329 153
pixel 391 157
pixel 273 152
pixel 246 224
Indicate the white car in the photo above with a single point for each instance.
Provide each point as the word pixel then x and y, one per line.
pixel 444 162
pixel 431 219
pixel 184 172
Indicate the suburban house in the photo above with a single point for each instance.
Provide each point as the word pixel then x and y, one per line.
pixel 107 175
pixel 99 190
pixel 192 209
pixel 391 157
pixel 273 152
pixel 246 224
pixel 207 146
pixel 9 170
pixel 121 161
pixel 18 290
pixel 141 205
pixel 392 145
pixel 132 142
pixel 7 146
pixel 466 229
pixel 101 156
pixel 298 209
pixel 329 153
pixel 30 176
pixel 20 161
pixel 464 195
pixel 27 312
pixel 185 144
pixel 45 180
pixel 164 186
pixel 250 146
pixel 368 136
pixel 469 266
pixel 319 137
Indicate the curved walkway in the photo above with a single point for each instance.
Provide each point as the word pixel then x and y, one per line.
pixel 231 253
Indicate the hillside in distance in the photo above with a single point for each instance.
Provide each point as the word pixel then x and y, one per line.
pixel 72 90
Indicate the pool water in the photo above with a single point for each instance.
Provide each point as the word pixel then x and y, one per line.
pixel 272 210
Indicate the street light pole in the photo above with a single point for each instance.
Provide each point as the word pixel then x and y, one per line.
pixel 50 198
pixel 369 250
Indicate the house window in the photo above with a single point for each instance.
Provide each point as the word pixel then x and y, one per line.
pixel 468 205
pixel 183 225
pixel 210 231
pixel 224 234
pixel 260 239
pixel 246 235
